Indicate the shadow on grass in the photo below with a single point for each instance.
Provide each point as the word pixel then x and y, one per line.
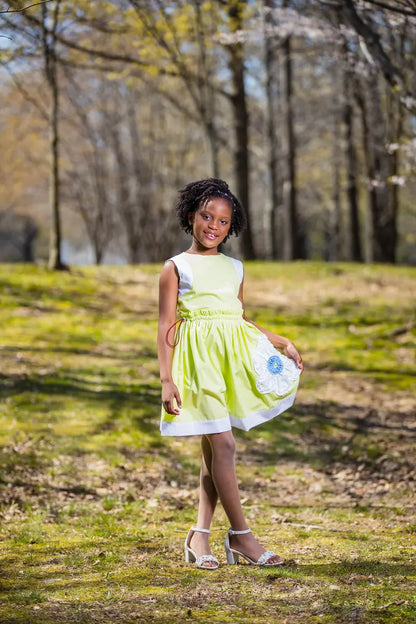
pixel 110 393
pixel 322 434
pixel 326 436
pixel 313 434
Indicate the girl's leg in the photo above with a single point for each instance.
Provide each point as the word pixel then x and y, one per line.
pixel 208 498
pixel 225 480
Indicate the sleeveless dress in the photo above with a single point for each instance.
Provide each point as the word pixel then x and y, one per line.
pixel 227 371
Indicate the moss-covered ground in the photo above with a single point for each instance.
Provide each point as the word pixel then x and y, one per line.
pixel 95 505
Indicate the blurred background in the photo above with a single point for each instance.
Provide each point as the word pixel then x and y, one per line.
pixel 306 108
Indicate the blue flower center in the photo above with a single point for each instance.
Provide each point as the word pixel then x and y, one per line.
pixel 274 365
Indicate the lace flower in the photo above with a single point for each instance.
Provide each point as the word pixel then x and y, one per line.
pixel 276 372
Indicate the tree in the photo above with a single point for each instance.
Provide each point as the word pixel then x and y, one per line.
pixel 241 118
pixel 380 126
pixel 167 25
pixel 159 81
pixel 87 183
pixel 41 34
pixel 351 158
pixel 50 21
pixel 273 112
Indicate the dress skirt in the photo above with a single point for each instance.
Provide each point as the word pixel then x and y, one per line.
pixel 228 375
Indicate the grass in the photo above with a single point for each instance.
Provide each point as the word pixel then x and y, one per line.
pixel 95 504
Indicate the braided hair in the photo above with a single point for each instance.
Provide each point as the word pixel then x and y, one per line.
pixel 195 195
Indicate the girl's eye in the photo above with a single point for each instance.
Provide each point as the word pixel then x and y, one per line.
pixel 224 222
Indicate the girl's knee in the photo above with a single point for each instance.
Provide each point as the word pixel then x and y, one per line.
pixel 223 443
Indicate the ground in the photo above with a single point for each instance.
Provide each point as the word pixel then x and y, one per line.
pixel 95 505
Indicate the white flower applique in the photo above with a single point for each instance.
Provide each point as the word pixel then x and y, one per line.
pixel 276 372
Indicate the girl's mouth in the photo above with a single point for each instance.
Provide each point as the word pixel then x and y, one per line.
pixel 210 236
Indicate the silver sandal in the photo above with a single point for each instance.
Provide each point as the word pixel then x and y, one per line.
pixel 190 556
pixel 233 555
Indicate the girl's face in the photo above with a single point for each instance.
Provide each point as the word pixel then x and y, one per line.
pixel 210 225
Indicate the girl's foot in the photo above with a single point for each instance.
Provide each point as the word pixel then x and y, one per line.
pixel 247 544
pixel 197 549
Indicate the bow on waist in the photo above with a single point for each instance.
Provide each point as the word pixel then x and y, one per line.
pixel 176 327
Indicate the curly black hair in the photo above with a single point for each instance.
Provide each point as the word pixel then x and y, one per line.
pixel 197 194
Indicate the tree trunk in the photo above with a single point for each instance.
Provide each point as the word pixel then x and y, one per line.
pixel 333 227
pixel 49 51
pixel 383 217
pixel 383 226
pixel 241 121
pixel 129 209
pixel 351 163
pixel 30 232
pixel 295 248
pixel 272 90
pixel 396 119
pixel 205 86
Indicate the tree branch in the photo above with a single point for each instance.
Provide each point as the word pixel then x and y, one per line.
pixel 28 97
pixel 372 40
pixel 391 7
pixel 29 6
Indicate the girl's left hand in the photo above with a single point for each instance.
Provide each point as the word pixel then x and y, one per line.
pixel 291 352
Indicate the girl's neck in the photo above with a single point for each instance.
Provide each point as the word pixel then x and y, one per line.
pixel 202 251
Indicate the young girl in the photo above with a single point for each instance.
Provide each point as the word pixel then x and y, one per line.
pixel 217 369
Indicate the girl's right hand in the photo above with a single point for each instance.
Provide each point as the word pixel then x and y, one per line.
pixel 170 395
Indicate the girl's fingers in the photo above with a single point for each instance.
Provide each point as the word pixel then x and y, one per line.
pixel 169 405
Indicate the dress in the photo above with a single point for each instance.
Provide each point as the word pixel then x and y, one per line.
pixel 227 371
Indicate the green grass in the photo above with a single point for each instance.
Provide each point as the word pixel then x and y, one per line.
pixel 95 505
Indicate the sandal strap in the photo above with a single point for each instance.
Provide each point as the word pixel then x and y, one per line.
pixel 232 532
pixel 206 559
pixel 201 531
pixel 265 557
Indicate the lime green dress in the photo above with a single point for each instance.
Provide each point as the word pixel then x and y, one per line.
pixel 227 371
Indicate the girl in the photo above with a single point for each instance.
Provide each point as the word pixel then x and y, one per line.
pixel 217 369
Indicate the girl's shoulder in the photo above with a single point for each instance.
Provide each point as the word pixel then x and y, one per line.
pixel 179 260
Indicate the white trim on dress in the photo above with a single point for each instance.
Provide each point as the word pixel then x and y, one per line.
pixel 207 427
pixel 197 427
pixel 262 416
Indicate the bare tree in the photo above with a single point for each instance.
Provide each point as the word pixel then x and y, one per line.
pixel 241 118
pixel 51 71
pixel 273 112
pixel 295 247
pixel 351 159
pixel 88 181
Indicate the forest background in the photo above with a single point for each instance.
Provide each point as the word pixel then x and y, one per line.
pixel 306 108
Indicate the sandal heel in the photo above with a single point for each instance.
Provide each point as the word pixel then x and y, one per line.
pixel 232 558
pixel 189 556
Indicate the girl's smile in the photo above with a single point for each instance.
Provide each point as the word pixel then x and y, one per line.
pixel 210 225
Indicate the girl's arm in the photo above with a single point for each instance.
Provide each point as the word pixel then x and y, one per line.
pixel 279 342
pixel 168 294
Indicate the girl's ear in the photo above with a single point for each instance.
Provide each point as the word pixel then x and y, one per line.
pixel 191 218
